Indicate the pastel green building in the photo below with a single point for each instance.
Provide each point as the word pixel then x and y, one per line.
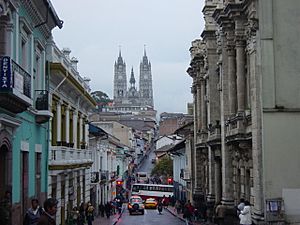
pixel 25 27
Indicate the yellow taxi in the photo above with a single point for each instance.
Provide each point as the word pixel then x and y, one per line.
pixel 151 203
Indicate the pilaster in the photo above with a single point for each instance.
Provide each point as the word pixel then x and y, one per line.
pixel 58 122
pixel 218 176
pixel 227 172
pixel 240 44
pixel 75 121
pixel 211 176
pixel 80 129
pixel 67 118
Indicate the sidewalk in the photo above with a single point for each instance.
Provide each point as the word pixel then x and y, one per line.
pixel 104 221
pixel 172 210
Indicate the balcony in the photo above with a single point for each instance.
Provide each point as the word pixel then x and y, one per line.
pixel 104 176
pixel 94 177
pixel 186 175
pixel 238 128
pixel 15 86
pixel 62 158
pixel 42 106
pixel 214 134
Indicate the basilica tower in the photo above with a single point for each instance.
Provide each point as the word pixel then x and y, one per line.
pixel 145 84
pixel 120 80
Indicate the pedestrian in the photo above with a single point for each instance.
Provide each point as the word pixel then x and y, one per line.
pixel 240 206
pixel 101 209
pixel 165 202
pixel 5 209
pixel 107 209
pixel 245 214
pixel 48 215
pixel 219 214
pixel 81 212
pixel 33 214
pixel 177 206
pixel 188 212
pixel 90 213
pixel 160 207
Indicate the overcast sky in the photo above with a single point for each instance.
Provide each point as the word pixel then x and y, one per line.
pixel 94 30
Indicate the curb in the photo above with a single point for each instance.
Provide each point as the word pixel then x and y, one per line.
pixel 171 212
pixel 119 217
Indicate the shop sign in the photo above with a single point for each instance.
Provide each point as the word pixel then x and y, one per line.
pixel 6 82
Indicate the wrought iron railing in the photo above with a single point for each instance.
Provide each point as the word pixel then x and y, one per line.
pixel 41 101
pixel 21 77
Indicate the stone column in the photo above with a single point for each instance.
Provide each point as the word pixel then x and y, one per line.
pixel 58 122
pixel 232 79
pixel 211 171
pixel 227 171
pixel 75 117
pixel 80 130
pixel 199 102
pixel 86 127
pixel 240 72
pixel 67 124
pixel 203 106
pixel 218 183
pixel 194 92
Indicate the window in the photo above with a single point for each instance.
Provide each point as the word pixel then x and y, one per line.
pixel 25 32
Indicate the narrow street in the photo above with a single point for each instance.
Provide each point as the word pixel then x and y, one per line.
pixel 146 165
pixel 151 217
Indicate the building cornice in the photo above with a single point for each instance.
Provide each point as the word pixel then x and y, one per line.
pixel 74 82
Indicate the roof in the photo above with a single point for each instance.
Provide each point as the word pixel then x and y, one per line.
pixel 185 129
pixel 164 148
pixel 58 22
pixel 97 131
pixel 180 145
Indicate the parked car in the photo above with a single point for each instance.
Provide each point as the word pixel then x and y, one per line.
pixel 150 203
pixel 136 205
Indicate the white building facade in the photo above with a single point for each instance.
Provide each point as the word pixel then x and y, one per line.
pixel 70 156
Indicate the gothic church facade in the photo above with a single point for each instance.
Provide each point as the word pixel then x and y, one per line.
pixel 132 98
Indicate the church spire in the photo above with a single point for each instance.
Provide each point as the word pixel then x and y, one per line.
pixel 132 79
pixel 145 55
pixel 120 59
pixel 145 58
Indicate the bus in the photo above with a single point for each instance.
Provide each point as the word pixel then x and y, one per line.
pixel 142 177
pixel 156 191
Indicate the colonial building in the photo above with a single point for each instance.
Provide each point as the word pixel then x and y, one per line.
pixel 24 109
pixel 132 99
pixel 246 110
pixel 70 156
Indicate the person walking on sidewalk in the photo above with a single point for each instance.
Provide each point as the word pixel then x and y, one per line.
pixel 188 212
pixel 219 214
pixel 50 209
pixel 245 214
pixel 33 214
pixel 240 206
pixel 178 206
pixel 107 209
pixel 90 213
pixel 101 209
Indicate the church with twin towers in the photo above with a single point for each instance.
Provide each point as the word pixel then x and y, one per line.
pixel 133 97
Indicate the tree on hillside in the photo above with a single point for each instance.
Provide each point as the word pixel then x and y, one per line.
pixel 101 98
pixel 164 167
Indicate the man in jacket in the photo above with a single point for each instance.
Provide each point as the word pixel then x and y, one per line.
pixel 33 214
pixel 48 216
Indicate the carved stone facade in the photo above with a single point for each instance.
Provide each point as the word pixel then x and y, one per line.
pixel 132 97
pixel 235 96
